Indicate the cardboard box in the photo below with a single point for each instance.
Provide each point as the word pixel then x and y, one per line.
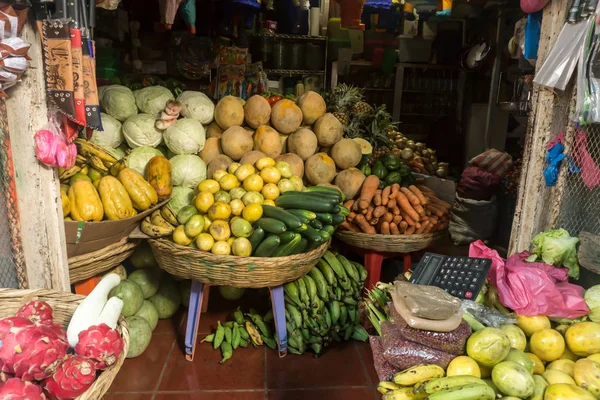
pixel 86 237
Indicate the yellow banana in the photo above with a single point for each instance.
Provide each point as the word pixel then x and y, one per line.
pixel 405 393
pixel 66 174
pixel 80 160
pixel 468 392
pixel 118 166
pixel 386 387
pixel 96 162
pixel 88 148
pixel 158 220
pixel 254 334
pixel 418 373
pixel 154 230
pixel 451 382
pixel 170 216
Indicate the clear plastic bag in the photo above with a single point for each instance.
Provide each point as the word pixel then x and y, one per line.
pixel 444 325
pixel 486 315
pixel 428 302
pixel 385 370
pixel 403 354
pixel 51 146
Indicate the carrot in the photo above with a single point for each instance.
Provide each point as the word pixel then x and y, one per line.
pixel 394 229
pixel 396 210
pixel 397 219
pixel 348 204
pixel 379 211
pixel 433 220
pixel 425 189
pixel 368 190
pixel 402 226
pixel 405 206
pixel 395 189
pixel 442 226
pixel 377 198
pixel 362 223
pixel 419 209
pixel 392 203
pixel 423 227
pixel 349 226
pixel 414 200
pixel 351 216
pixel 439 202
pixel 415 190
pixel 429 228
pixel 410 230
pixel 374 221
pixel 388 217
pixel 369 215
pixel 408 218
pixel 385 228
pixel 385 195
pixel 438 212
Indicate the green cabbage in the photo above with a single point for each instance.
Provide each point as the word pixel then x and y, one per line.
pixel 140 156
pixel 180 197
pixel 185 136
pixel 592 297
pixel 118 102
pixel 556 247
pixel 117 152
pixel 188 170
pixel 197 105
pixel 139 130
pixel 153 99
pixel 112 136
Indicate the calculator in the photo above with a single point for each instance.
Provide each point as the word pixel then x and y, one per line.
pixel 462 277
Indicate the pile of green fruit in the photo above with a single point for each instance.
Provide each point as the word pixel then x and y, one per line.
pixel 389 168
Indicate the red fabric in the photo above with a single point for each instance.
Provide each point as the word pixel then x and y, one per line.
pixel 477 184
pixel 590 173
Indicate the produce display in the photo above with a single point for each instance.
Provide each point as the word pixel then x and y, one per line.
pixel 40 358
pixel 320 308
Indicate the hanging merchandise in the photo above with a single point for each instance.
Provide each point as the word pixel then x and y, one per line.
pixel 90 88
pixel 77 61
pixel 554 156
pixel 168 11
pixel 532 6
pixel 590 173
pixel 532 35
pixel 188 13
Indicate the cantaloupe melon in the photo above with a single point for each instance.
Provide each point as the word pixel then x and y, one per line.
pixel 295 162
pixel 251 157
pixel 219 162
pixel 329 130
pixel 350 181
pixel 267 141
pixel 257 111
pixel 303 142
pixel 236 142
pixel 346 153
pixel 313 107
pixel 213 130
pixel 229 112
pixel 319 168
pixel 212 148
pixel 286 116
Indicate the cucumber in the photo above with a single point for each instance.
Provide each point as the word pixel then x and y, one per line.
pixel 291 221
pixel 325 189
pixel 336 209
pixel 311 234
pixel 300 247
pixel 286 248
pixel 307 215
pixel 304 202
pixel 302 228
pixel 287 236
pixel 325 235
pixel 325 218
pixel 321 197
pixel 313 244
pixel 316 224
pixel 267 247
pixel 344 211
pixel 271 225
pixel 329 229
pixel 257 236
pixel 337 219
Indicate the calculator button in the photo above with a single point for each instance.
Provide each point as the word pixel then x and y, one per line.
pixel 463 286
pixel 468 295
pixel 460 293
pixel 453 292
pixel 443 282
pixel 479 266
pixel 472 287
pixel 459 279
pixel 474 280
pixel 469 273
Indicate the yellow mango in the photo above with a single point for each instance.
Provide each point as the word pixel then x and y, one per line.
pixel 587 375
pixel 66 203
pixel 115 199
pixel 583 338
pixel 142 194
pixel 563 391
pixel 85 202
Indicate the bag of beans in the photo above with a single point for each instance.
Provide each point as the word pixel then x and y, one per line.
pixel 385 370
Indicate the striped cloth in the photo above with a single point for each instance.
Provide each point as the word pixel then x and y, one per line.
pixel 493 161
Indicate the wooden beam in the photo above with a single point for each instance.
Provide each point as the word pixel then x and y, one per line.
pixel 38 187
pixel 537 205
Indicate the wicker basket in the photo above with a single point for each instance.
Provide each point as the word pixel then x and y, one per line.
pixel 390 243
pixel 91 264
pixel 243 272
pixel 64 305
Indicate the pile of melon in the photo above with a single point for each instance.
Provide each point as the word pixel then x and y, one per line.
pixel 300 133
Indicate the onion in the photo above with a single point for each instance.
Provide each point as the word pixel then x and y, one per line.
pixel 410 144
pixel 406 154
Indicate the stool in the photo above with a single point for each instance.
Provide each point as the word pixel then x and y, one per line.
pixel 199 303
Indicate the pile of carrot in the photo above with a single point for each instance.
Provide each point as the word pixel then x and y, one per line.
pixel 396 210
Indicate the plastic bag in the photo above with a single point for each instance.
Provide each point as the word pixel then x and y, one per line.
pixel 486 315
pixel 403 354
pixel 476 183
pixel 450 342
pixel 532 288
pixel 51 146
pixel 445 325
pixel 385 370
pixel 531 6
pixel 472 220
pixel 429 302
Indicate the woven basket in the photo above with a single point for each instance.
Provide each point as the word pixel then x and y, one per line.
pixel 63 305
pixel 91 264
pixel 243 272
pixel 390 243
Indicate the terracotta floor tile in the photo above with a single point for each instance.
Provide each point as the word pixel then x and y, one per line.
pixel 237 395
pixel 244 371
pixel 141 374
pixel 171 325
pixel 364 350
pixel 339 366
pixel 128 396
pixel 324 394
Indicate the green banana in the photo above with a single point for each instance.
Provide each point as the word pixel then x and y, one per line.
pixel 294 350
pixel 228 334
pixel 295 314
pixel 292 291
pixel 343 314
pixel 238 315
pixel 208 338
pixel 311 286
pixel 468 392
pixel 265 329
pixel 349 300
pixel 243 343
pixel 352 314
pixel 244 333
pixel 348 332
pixel 338 269
pixel 452 382
pixel 362 271
pixel 270 342
pixel 227 351
pixel 316 348
pixel 219 336
pixel 327 316
pixel 320 282
pixel 303 292
pixel 338 293
pixel 359 333
pixel 334 311
pixel 268 316
pixel 318 305
pixel 336 336
pixel 305 333
pixel 327 272
pixel 228 324
pixel 349 268
pixel 235 336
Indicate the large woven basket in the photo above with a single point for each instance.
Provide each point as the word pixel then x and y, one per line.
pixel 63 305
pixel 91 264
pixel 243 272
pixel 390 243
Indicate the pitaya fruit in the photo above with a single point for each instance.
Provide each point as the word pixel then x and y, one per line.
pixel 32 352
pixel 38 312
pixel 74 376
pixel 101 344
pixel 4 377
pixel 6 324
pixel 16 389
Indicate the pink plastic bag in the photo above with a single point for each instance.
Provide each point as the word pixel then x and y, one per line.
pixel 51 146
pixel 531 6
pixel 532 288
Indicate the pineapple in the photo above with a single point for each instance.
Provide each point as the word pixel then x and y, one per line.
pixel 362 107
pixel 354 128
pixel 341 99
pixel 342 117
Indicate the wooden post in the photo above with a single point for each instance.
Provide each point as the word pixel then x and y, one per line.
pixel 538 205
pixel 38 187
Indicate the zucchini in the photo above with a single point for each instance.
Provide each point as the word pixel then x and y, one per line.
pixel 307 215
pixel 271 225
pixel 312 196
pixel 257 236
pixel 316 224
pixel 311 234
pixel 286 248
pixel 344 210
pixel 291 221
pixel 307 203
pixel 300 247
pixel 325 218
pixel 313 244
pixel 325 189
pixel 337 219
pixel 329 229
pixel 267 247
pixel 325 235
pixel 336 209
pixel 287 236
pixel 302 228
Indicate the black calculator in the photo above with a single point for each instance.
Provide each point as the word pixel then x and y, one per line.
pixel 462 277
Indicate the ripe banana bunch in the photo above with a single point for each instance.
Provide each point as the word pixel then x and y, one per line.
pixel 322 306
pixel 418 373
pixel 64 174
pixel 156 226
pixel 460 387
pixel 94 155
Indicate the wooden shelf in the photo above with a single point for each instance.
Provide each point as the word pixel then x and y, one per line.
pixel 293 72
pixel 282 36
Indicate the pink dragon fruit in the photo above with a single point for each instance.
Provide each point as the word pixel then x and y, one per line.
pixel 101 344
pixel 32 352
pixel 38 312
pixel 73 377
pixel 6 324
pixel 16 389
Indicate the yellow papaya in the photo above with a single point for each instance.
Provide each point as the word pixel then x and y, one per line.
pixel 66 203
pixel 115 199
pixel 85 201
pixel 158 174
pixel 142 195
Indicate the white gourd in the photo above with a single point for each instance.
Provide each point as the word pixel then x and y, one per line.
pixel 111 312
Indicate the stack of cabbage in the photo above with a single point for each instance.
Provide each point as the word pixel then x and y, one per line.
pixel 129 123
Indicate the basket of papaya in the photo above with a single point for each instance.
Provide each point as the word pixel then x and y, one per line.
pixel 231 235
pixel 395 219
